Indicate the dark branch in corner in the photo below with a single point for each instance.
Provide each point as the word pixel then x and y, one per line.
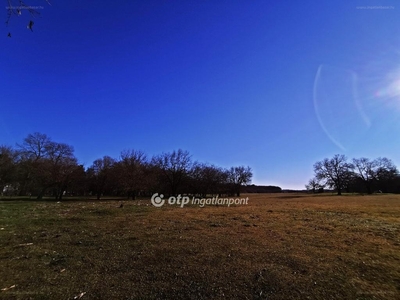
pixel 15 8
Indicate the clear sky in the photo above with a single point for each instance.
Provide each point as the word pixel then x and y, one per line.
pixel 275 85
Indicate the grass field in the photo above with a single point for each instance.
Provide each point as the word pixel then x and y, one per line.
pixel 279 246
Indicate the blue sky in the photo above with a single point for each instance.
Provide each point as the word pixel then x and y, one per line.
pixel 275 85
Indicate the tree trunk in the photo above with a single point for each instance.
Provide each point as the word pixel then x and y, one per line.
pixel 369 190
pixel 40 195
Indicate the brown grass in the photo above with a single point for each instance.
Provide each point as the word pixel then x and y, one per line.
pixel 279 246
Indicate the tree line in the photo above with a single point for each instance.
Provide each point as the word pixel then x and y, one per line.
pixel 360 175
pixel 40 167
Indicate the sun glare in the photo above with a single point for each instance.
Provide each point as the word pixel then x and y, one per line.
pixel 390 90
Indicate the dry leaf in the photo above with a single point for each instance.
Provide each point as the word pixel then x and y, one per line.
pixel 26 244
pixel 9 288
pixel 80 295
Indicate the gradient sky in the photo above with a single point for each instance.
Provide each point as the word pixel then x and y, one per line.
pixel 275 85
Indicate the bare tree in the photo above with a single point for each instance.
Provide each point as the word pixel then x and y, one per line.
pixel 314 185
pixel 238 176
pixel 101 174
pixel 335 172
pixel 174 168
pixel 63 165
pixel 45 164
pixel 207 179
pixel 375 174
pixel 33 164
pixel 8 169
pixel 365 170
pixel 34 146
pixel 386 174
pixel 131 170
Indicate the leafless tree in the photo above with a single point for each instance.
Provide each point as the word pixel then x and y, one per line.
pixel 238 176
pixel 45 165
pixel 375 174
pixel 386 174
pixel 207 179
pixel 101 174
pixel 7 167
pixel 314 185
pixel 173 168
pixel 335 172
pixel 365 170
pixel 34 146
pixel 131 170
pixel 63 165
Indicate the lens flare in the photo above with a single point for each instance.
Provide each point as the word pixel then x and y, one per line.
pixel 389 90
pixel 337 106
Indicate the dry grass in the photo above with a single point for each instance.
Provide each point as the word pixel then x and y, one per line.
pixel 279 246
